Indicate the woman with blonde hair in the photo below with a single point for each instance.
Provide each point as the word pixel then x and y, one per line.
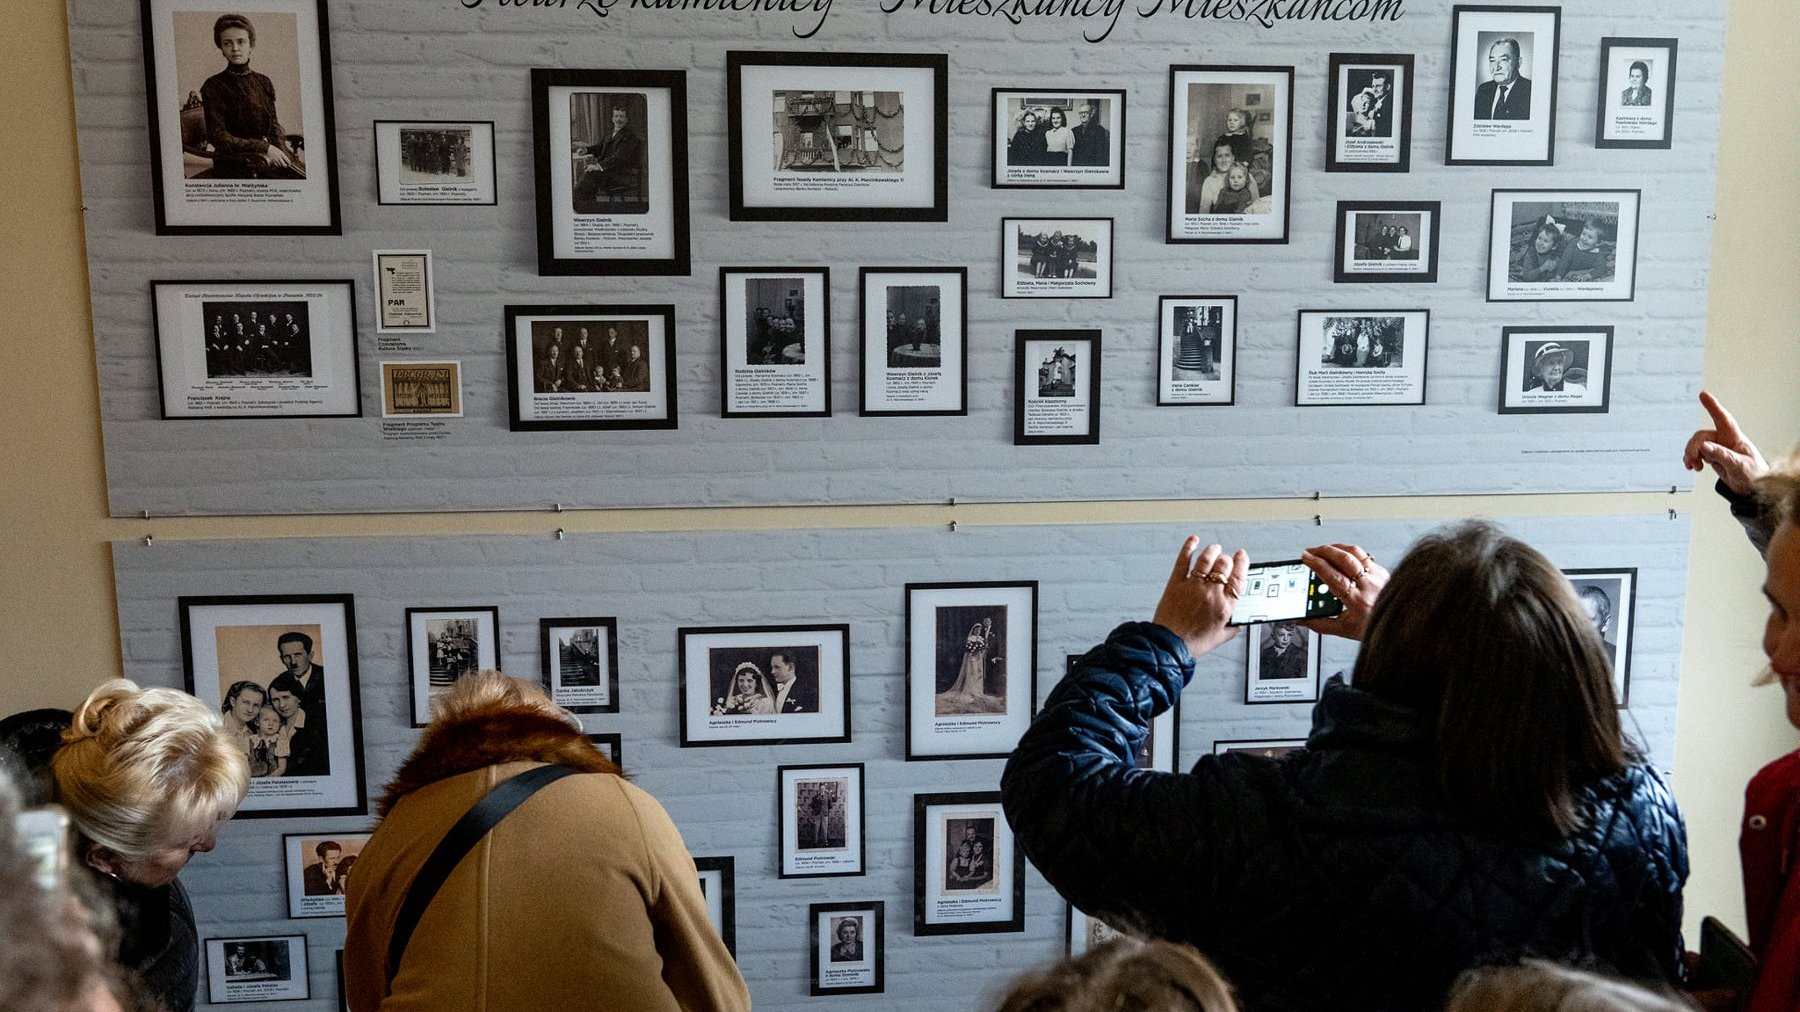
pixel 147 775
pixel 1124 974
pixel 514 867
pixel 1538 986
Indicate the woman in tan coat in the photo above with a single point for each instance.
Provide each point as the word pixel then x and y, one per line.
pixel 583 897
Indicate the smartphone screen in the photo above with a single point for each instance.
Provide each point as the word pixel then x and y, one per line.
pixel 1283 592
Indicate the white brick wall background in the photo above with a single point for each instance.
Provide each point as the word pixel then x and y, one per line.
pixel 723 799
pixel 434 59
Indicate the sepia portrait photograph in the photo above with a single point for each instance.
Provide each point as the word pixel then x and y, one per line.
pixel 1369 126
pixel 1609 597
pixel 1503 68
pixel 1389 241
pixel 1282 665
pixel 847 944
pixel 775 342
pixel 421 389
pixel 579 662
pixel 256 349
pixel 1056 393
pixel 590 367
pixel 318 870
pixel 971 667
pixel 1056 258
pixel 1066 140
pixel 240 118
pixel 281 669
pixel 434 162
pixel 1556 370
pixel 263 968
pixel 1196 361
pixel 821 809
pixel 1636 107
pixel 1563 246
pixel 1354 356
pixel 968 874
pixel 915 352
pixel 1230 134
pixel 763 685
pixel 609 149
pixel 444 645
pixel 837 137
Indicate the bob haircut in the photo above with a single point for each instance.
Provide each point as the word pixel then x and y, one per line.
pixel 1539 986
pixel 1480 632
pixel 1124 974
pixel 140 770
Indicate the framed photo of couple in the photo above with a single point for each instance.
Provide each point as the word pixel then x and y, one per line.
pixel 968 868
pixel 764 685
pixel 282 670
pixel 318 870
pixel 1066 140
pixel 258 968
pixel 1231 132
pixel 971 667
pixel 1391 241
pixel 821 820
pixel 1370 113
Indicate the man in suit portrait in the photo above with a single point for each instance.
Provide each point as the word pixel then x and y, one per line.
pixel 1283 652
pixel 1093 144
pixel 635 373
pixel 1507 95
pixel 323 879
pixel 614 180
pixel 296 653
pixel 1639 92
pixel 792 694
pixel 1381 106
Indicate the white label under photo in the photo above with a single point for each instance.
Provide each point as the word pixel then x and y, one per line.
pixel 405 299
pixel 249 349
pixel 1358 356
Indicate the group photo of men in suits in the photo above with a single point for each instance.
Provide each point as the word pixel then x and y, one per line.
pixel 590 357
pixel 256 339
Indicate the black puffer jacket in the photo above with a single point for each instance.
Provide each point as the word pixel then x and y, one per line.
pixel 1329 878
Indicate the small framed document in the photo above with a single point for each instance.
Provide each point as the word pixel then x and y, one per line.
pixel 405 297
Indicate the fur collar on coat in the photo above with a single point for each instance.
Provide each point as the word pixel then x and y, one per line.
pixel 490 737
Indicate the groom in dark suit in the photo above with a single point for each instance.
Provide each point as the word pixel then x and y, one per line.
pixel 792 693
pixel 1507 96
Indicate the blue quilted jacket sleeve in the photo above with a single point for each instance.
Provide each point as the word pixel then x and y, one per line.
pixel 1107 835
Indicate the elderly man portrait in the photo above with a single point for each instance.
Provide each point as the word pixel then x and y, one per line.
pixel 1507 95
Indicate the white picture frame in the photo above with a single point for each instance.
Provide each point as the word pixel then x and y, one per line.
pixel 1361 357
pixel 718 707
pixel 1536 241
pixel 1204 102
pixel 952 708
pixel 434 162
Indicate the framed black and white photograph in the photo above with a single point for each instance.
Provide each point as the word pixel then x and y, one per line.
pixel 611 745
pixel 405 292
pixel 1369 121
pixel 281 668
pixel 610 153
pixel 1231 132
pixel 241 132
pixel 1056 258
pixel 256 349
pixel 1550 370
pixel 718 883
pixel 775 342
pixel 1056 387
pixel 443 645
pixel 1636 107
pixel 591 367
pixel 1503 67
pixel 1361 356
pixel 1563 246
pixel 318 868
pixel 1282 665
pixel 968 869
pixel 848 940
pixel 1160 748
pixel 971 667
pixel 421 389
pixel 1389 241
pixel 1196 360
pixel 1047 138
pixel 434 162
pixel 838 136
pixel 256 968
pixel 580 662
pixel 915 341
pixel 1085 932
pixel 821 819
pixel 764 685
pixel 1609 596
pixel 1267 748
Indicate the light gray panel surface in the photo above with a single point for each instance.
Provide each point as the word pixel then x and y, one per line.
pixel 723 799
pixel 421 59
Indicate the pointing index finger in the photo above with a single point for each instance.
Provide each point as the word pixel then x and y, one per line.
pixel 1722 420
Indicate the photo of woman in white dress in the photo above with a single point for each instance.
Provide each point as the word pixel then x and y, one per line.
pixel 976 683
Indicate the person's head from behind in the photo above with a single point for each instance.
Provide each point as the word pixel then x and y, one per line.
pixel 1538 986
pixel 236 37
pixel 147 776
pixel 1124 974
pixel 1781 634
pixel 1639 72
pixel 1484 636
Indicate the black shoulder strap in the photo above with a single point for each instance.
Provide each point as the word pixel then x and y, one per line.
pixel 497 804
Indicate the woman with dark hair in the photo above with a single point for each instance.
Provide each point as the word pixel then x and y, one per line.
pixel 243 701
pixel 1059 140
pixel 1470 800
pixel 1027 145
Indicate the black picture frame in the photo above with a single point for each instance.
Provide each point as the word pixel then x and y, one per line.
pixel 1020 701
pixel 875 360
pixel 1175 195
pixel 923 828
pixel 725 869
pixel 1014 284
pixel 1416 380
pixel 219 985
pixel 1310 682
pixel 1169 351
pixel 1427 211
pixel 378 128
pixel 337 295
pixel 1051 178
pixel 1024 382
pixel 1608 86
pixel 829 728
pixel 518 376
pixel 1455 121
pixel 339 607
pixel 1621 286
pixel 856 829
pixel 1625 640
pixel 610 742
pixel 319 142
pixel 546 626
pixel 819 386
pixel 1515 346
pixel 295 891
pixel 877 910
pixel 419 679
pixel 601 262
pixel 743 208
pixel 1341 66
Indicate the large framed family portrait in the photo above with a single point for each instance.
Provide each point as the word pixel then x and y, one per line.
pixel 764 685
pixel 968 868
pixel 241 131
pixel 1231 132
pixel 971 667
pixel 838 136
pixel 282 671
pixel 610 150
pixel 1503 67
pixel 256 349
pixel 1361 356
pixel 590 367
pixel 1052 139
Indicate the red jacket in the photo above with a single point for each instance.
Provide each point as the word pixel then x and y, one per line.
pixel 1769 844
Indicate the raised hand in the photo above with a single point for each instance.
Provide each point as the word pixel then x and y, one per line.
pixel 1734 458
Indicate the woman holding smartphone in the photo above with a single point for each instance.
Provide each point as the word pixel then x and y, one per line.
pixel 1470 799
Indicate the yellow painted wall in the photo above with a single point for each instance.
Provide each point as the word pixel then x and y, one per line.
pixel 58 633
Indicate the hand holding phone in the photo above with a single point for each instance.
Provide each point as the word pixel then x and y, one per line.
pixel 1283 592
pixel 1354 578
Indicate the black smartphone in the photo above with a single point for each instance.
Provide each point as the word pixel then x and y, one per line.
pixel 1283 592
pixel 1725 961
